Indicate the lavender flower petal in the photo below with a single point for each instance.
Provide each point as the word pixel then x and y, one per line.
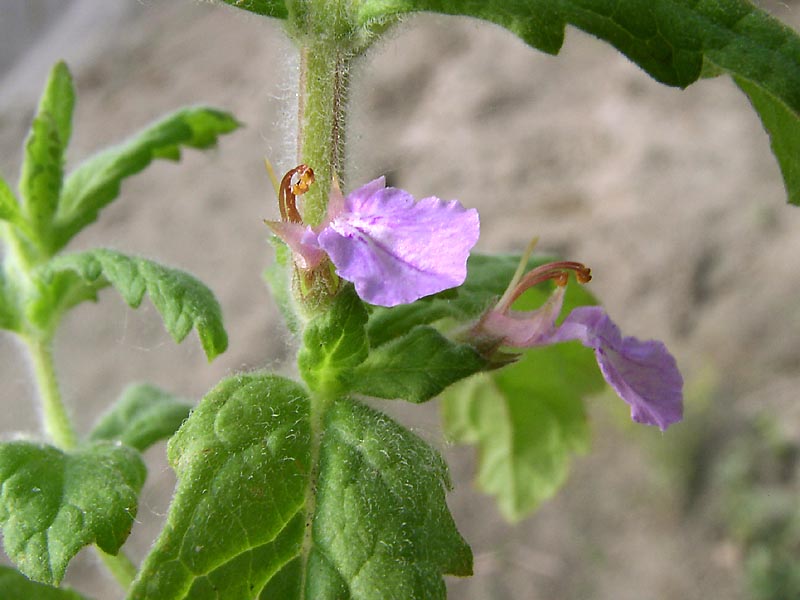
pixel 643 373
pixel 301 240
pixel 395 250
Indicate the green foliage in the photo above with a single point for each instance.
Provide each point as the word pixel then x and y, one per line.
pixel 487 278
pixel 676 43
pixel 267 8
pixel 364 513
pixel 381 524
pixel 53 503
pixel 143 415
pixel 278 276
pixel 9 208
pixel 14 585
pixel 527 420
pixel 183 302
pixel 783 128
pixel 416 366
pixel 242 461
pixel 43 166
pixel 96 182
pixel 334 343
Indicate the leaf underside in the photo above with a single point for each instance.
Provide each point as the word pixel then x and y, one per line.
pixel 182 301
pixel 14 585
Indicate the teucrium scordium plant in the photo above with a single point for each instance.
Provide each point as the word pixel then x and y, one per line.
pixel 296 489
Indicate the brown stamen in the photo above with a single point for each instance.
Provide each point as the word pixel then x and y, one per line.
pixel 555 271
pixel 295 183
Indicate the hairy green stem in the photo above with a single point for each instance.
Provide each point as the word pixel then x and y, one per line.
pixel 120 566
pixel 57 423
pixel 324 80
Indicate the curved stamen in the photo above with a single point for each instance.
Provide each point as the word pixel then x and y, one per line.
pixel 295 183
pixel 555 271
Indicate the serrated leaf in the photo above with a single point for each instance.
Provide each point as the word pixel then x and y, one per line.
pixel 96 182
pixel 334 343
pixel 783 128
pixel 676 43
pixel 43 164
pixel 237 517
pixel 14 585
pixel 143 415
pixel 267 8
pixel 527 420
pixel 415 367
pixel 54 503
pixel 381 524
pixel 183 301
pixel 376 504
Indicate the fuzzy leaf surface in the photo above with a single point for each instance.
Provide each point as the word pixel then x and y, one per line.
pixel 334 343
pixel 237 517
pixel 14 584
pixel 675 41
pixel 415 367
pixel 527 421
pixel 381 523
pixel 96 182
pixel 143 415
pixel 182 301
pixel 54 503
pixel 247 521
pixel 43 163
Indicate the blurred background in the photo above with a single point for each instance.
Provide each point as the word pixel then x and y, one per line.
pixel 672 197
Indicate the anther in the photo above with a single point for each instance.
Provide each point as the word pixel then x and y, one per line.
pixel 295 183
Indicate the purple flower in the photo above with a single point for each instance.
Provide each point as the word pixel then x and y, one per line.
pixel 643 373
pixel 393 249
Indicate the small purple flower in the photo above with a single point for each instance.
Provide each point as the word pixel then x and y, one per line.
pixel 393 249
pixel 643 373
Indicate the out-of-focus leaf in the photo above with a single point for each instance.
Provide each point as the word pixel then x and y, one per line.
pixel 143 415
pixel 15 586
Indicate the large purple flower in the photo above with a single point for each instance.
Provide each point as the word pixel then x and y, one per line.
pixel 396 250
pixel 393 249
pixel 643 373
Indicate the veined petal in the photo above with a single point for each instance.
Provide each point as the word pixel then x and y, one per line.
pixel 395 250
pixel 643 373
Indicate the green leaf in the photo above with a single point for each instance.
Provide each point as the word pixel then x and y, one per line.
pixel 9 317
pixel 54 503
pixel 14 585
pixel 43 165
pixel 674 42
pixel 96 182
pixel 249 520
pixel 267 8
pixel 183 301
pixel 242 461
pixel 9 208
pixel 334 343
pixel 381 522
pixel 783 128
pixel 487 278
pixel 527 420
pixel 143 415
pixel 415 367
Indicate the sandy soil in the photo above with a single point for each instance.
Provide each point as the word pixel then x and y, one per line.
pixel 672 197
